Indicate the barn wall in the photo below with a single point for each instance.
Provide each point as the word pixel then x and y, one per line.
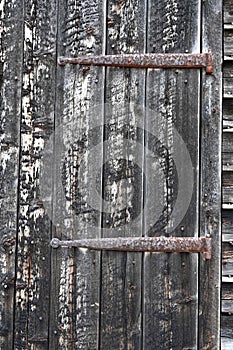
pixel 227 200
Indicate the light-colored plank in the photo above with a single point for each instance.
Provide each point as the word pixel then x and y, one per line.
pixel 11 54
pixel 33 258
pixel 226 343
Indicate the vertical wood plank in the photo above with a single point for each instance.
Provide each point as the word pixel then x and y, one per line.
pixel 33 262
pixel 11 52
pixel 120 325
pixel 170 280
pixel 75 273
pixel 210 197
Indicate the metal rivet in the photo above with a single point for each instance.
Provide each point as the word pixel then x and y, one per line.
pixel 16 78
pixel 40 318
pixel 43 258
pixel 182 228
pixel 5 286
pixel 46 76
pixel 183 264
pixel 32 242
pixel 186 81
pixel 55 332
pixel 89 30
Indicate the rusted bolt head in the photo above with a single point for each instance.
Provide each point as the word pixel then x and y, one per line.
pixel 89 30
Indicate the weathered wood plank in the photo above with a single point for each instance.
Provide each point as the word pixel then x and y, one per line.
pixel 11 53
pixel 210 195
pixel 33 272
pixel 228 43
pixel 170 295
pixel 228 69
pixel 227 291
pixel 227 191
pixel 76 273
pixel 227 307
pixel 226 330
pixel 227 109
pixel 227 155
pixel 227 195
pixel 123 172
pixel 226 343
pixel 227 222
pixel 228 14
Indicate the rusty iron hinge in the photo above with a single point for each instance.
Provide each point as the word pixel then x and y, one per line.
pixel 149 60
pixel 143 244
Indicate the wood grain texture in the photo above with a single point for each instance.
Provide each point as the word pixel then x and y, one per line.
pixel 227 251
pixel 11 53
pixel 170 296
pixel 33 263
pixel 75 287
pixel 210 196
pixel 120 326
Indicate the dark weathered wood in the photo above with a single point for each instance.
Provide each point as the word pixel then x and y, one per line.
pixel 227 216
pixel 33 263
pixel 227 193
pixel 170 282
pixel 11 53
pixel 227 109
pixel 228 14
pixel 227 222
pixel 76 273
pixel 228 43
pixel 226 331
pixel 210 195
pixel 227 82
pixel 227 291
pixel 120 326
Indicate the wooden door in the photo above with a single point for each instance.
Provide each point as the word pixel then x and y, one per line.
pixel 95 152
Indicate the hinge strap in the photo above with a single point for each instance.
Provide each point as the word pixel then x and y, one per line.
pixel 143 244
pixel 148 60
